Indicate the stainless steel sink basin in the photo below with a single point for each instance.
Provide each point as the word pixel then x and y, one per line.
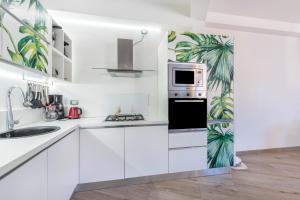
pixel 27 132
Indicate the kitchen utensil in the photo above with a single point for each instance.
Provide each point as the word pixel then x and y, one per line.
pixel 44 101
pixel 47 95
pixel 34 101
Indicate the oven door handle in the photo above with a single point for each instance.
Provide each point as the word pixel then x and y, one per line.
pixel 189 101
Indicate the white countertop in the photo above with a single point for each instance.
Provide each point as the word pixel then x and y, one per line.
pixel 14 152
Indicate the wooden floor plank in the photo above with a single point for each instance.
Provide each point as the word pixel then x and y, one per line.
pixel 271 175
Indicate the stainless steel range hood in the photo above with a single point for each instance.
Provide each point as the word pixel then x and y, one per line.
pixel 125 61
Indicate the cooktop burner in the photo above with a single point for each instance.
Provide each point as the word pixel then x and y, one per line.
pixel 129 117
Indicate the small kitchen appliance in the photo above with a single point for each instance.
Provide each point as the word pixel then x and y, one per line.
pixel 187 80
pixel 187 96
pixel 57 101
pixel 75 112
pixel 124 117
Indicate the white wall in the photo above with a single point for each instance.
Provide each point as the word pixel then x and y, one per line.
pixel 11 76
pixel 95 45
pixel 267 97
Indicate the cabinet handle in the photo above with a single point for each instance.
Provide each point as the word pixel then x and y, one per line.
pixel 189 101
pixel 182 148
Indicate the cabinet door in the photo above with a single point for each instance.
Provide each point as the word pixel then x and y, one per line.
pixel 28 182
pixel 101 154
pixel 188 159
pixel 63 167
pixel 33 13
pixel 23 46
pixel 146 151
pixel 220 145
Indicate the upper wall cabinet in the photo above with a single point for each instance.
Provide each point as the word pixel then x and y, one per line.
pixel 31 12
pixel 22 45
pixel 27 38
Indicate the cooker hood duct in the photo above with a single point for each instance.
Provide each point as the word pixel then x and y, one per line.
pixel 125 61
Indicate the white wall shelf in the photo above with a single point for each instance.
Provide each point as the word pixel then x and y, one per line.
pixel 61 53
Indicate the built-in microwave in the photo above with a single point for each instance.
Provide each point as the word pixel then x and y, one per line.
pixel 187 76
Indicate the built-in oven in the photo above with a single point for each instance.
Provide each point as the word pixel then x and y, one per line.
pixel 187 113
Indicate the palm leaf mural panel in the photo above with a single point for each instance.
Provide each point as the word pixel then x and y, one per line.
pixel 217 51
pixel 20 43
pixel 220 145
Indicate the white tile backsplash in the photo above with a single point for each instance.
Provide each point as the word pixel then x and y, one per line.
pixel 129 103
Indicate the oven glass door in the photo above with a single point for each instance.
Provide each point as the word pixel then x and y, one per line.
pixel 184 77
pixel 187 113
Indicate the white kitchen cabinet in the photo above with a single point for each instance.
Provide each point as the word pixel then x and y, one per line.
pixel 187 159
pixel 29 53
pixel 146 151
pixel 28 182
pixel 33 12
pixel 188 139
pixel 101 154
pixel 63 167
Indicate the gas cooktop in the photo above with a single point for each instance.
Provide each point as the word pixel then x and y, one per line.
pixel 124 117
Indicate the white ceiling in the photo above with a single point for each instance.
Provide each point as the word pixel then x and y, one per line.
pixel 278 15
pixel 280 10
pixel 108 8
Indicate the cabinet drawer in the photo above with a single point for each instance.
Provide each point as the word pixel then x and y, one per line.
pixel 187 159
pixel 188 139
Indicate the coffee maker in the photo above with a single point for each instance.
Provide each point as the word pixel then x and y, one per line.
pixel 57 101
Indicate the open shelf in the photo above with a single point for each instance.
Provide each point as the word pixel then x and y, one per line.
pixel 68 71
pixel 67 46
pixel 57 65
pixel 61 53
pixel 68 59
pixel 57 52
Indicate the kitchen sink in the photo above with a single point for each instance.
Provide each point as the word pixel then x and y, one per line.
pixel 27 132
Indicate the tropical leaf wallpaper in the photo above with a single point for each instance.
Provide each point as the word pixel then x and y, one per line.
pixel 217 51
pixel 220 145
pixel 20 43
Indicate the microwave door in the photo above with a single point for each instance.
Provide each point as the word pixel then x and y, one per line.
pixel 183 77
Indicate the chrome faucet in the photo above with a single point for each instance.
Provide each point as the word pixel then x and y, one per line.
pixel 10 117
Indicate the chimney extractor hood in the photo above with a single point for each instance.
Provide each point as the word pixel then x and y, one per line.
pixel 125 61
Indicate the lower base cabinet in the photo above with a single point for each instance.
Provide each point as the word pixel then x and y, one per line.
pixel 101 154
pixel 146 151
pixel 63 167
pixel 51 175
pixel 28 182
pixel 117 153
pixel 188 151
